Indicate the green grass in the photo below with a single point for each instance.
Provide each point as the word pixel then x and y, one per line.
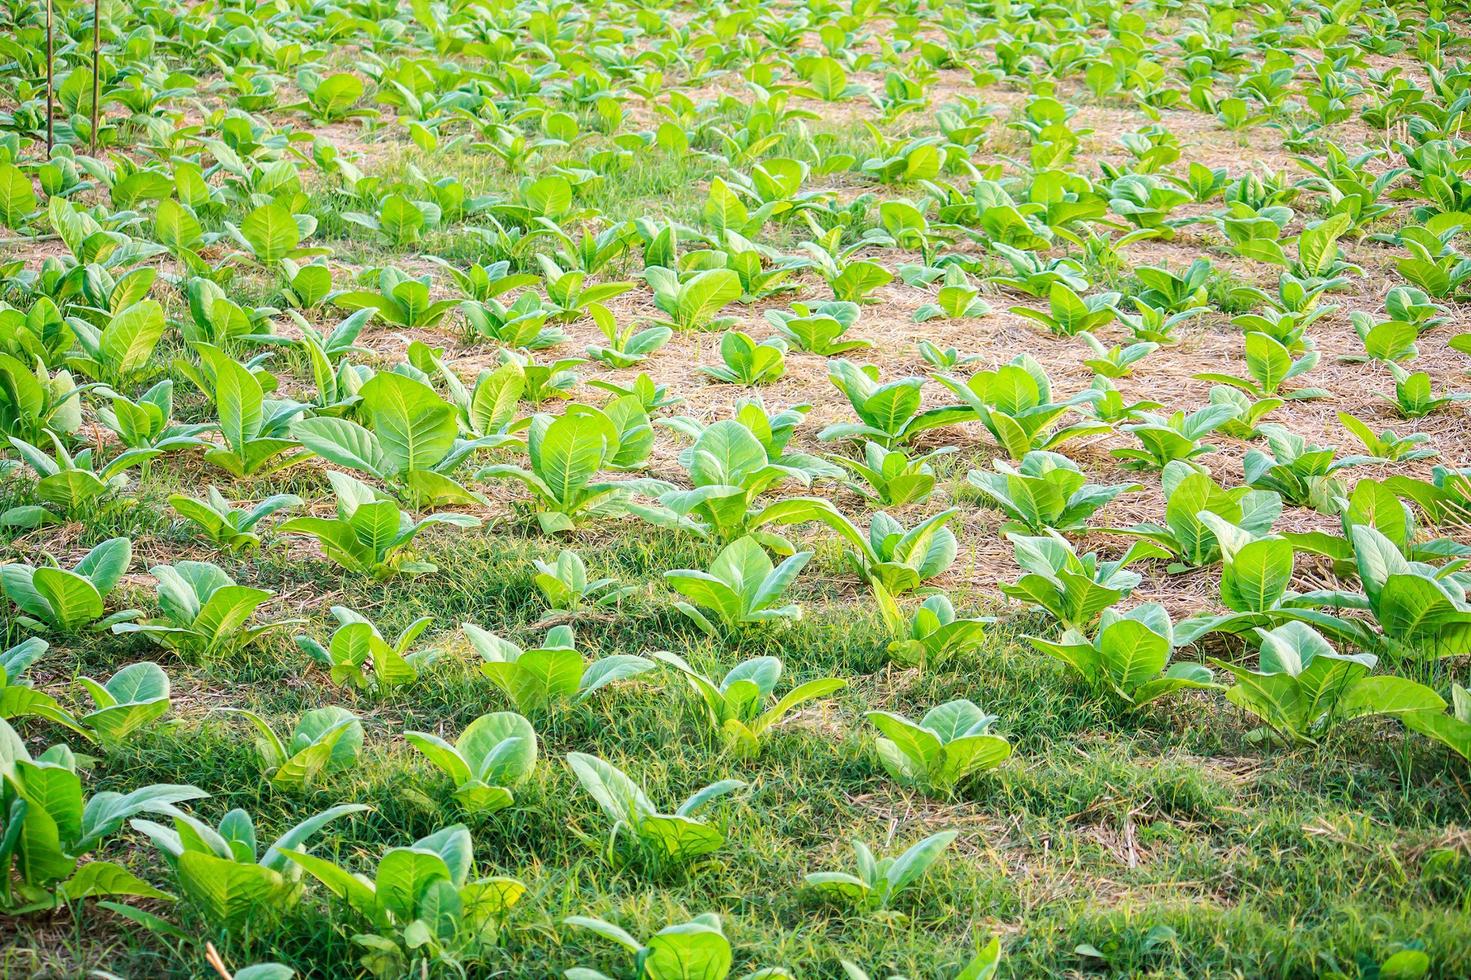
pixel 1102 827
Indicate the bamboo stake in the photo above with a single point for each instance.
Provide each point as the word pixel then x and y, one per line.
pixel 50 80
pixel 96 68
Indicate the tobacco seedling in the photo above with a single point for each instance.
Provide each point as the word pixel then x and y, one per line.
pixel 879 881
pixel 358 655
pixel 324 741
pixel 1047 491
pixel 204 612
pixel 952 741
pixel 1303 689
pixel 131 700
pixel 423 905
pixel 636 828
pixel 1127 657
pixel 230 528
pixel 745 362
pixel 565 585
pixel 737 706
pixel 933 634
pixel 1073 589
pixel 49 825
pixel 221 871
pixel 818 328
pixel 553 673
pixel 493 755
pixel 891 477
pixel 741 588
pixel 369 534
pixel 66 600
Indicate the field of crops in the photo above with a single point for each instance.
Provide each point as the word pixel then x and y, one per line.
pixel 679 490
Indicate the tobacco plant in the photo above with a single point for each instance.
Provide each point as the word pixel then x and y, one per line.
pixel 951 742
pixel 737 706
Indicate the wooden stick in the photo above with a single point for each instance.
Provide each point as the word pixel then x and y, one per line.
pixel 50 80
pixel 96 68
pixel 212 957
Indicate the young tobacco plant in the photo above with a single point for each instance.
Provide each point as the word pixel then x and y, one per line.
pixel 694 302
pixel 1073 589
pixel 369 534
pixel 324 741
pixel 1164 440
pixel 1246 424
pixel 742 587
pixel 401 300
pixel 958 299
pixel 553 673
pixel 697 948
pixel 231 529
pixel 131 700
pixel 933 634
pixel 730 467
pixel 566 452
pixel 359 656
pixel 408 438
pixel 1256 575
pixel 1303 689
pixel 888 414
pixel 1373 504
pixel 523 324
pixel 898 558
pixel 1126 658
pixel 1014 403
pixel 255 429
pixel 943 359
pixel 1388 444
pixel 1269 365
pixel 48 825
pixel 1070 314
pixel 1189 494
pixel 952 741
pixel 627 346
pixel 851 279
pixel 1117 361
pixel 148 422
pixel 1302 474
pixel 818 328
pixel 423 908
pixel 565 585
pixel 745 362
pixel 221 871
pixel 879 881
pixel 890 477
pixel 122 349
pixel 637 831
pixel 72 487
pixel 1046 492
pixel 66 600
pixel 1413 395
pixel 737 707
pixel 1421 610
pixel 492 756
pixel 204 612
